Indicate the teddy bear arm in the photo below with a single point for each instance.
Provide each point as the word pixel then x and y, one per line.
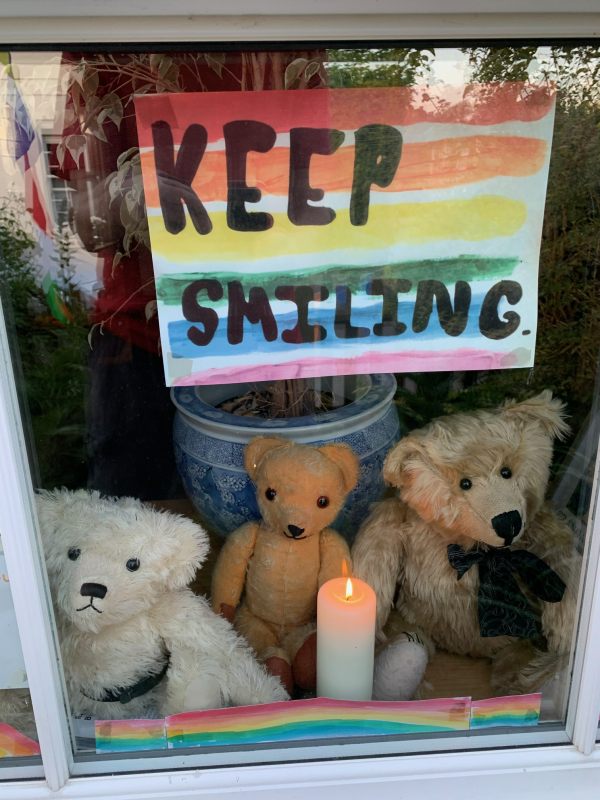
pixel 377 555
pixel 333 551
pixel 551 539
pixel 230 570
pixel 558 619
pixel 210 665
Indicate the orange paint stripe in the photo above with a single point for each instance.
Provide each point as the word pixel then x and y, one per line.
pixel 437 164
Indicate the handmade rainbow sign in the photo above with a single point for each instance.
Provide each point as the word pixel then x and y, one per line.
pixel 127 735
pixel 328 232
pixel 514 710
pixel 13 743
pixel 321 718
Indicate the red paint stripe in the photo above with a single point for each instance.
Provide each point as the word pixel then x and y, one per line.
pixel 345 109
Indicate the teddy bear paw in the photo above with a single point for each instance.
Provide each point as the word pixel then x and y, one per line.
pixel 280 668
pixel 399 669
pixel 202 693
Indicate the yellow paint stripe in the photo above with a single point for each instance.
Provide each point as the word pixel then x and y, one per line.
pixel 473 220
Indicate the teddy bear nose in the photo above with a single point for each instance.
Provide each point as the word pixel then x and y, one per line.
pixel 295 531
pixel 93 590
pixel 507 525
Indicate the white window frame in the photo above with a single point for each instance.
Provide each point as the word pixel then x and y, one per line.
pixel 570 769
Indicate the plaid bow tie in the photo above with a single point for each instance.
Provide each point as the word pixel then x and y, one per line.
pixel 502 608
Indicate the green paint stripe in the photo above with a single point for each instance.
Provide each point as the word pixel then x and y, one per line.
pixel 495 721
pixel 108 744
pixel 466 268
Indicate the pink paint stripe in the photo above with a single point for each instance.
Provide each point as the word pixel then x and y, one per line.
pixel 126 728
pixel 508 703
pixel 303 709
pixel 411 361
pixel 14 743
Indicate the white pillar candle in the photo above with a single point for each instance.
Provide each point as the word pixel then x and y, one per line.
pixel 345 639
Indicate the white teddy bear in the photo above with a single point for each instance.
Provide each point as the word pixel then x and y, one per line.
pixel 135 641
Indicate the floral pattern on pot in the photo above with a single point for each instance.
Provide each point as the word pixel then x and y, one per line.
pixel 209 446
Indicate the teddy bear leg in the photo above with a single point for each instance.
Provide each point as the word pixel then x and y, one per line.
pixel 520 668
pixel 265 643
pixel 16 711
pixel 400 667
pixel 301 644
pixel 277 664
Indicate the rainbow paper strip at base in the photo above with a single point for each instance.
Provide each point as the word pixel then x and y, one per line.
pixel 13 743
pixel 128 735
pixel 321 718
pixel 519 710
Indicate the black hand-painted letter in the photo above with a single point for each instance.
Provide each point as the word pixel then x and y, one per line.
pixel 303 331
pixel 255 309
pixel 241 137
pixel 490 323
pixel 389 288
pixel 453 320
pixel 175 176
pixel 376 158
pixel 342 323
pixel 303 143
pixel 194 312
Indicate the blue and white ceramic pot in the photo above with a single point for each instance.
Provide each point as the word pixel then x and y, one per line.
pixel 209 446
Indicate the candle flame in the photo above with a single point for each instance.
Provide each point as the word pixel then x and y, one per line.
pixel 344 568
pixel 348 589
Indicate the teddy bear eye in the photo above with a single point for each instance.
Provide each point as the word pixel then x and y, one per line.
pixel 465 484
pixel 133 564
pixel 74 553
pixel 322 501
pixel 270 494
pixel 506 472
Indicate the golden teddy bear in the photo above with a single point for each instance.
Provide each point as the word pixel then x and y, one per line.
pixel 269 571
pixel 473 558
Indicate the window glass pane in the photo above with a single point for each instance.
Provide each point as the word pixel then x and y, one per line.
pixel 18 736
pixel 421 196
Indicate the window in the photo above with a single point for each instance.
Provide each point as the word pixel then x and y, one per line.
pixel 19 736
pixel 85 270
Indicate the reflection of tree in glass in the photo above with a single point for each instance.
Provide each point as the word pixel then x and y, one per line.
pixel 51 353
pixel 389 66
pixel 574 70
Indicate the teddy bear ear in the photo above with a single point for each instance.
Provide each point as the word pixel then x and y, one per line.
pixel 407 449
pixel 258 448
pixel 184 545
pixel 56 505
pixel 347 461
pixel 544 409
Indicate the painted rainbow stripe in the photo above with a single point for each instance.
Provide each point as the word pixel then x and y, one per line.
pixel 321 718
pixel 516 710
pixel 127 735
pixel 13 743
pixel 349 109
pixel 170 287
pixel 473 220
pixel 457 161
pixel 371 361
